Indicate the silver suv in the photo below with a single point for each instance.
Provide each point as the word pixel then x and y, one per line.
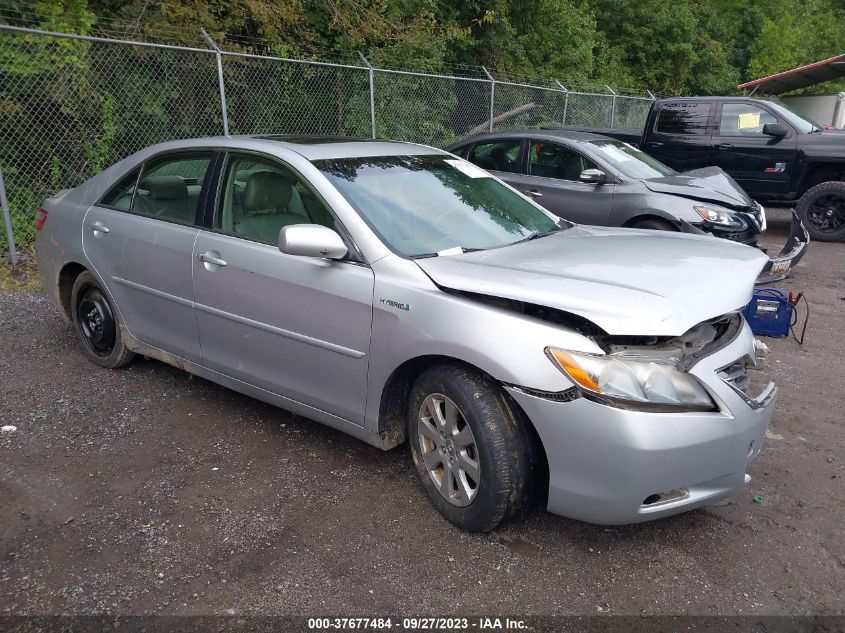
pixel 397 292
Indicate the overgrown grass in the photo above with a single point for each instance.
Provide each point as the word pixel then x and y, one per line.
pixel 22 276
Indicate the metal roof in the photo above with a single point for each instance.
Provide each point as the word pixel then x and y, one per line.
pixel 542 133
pixel 801 77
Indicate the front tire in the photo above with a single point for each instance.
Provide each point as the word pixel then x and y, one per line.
pixel 653 224
pixel 822 210
pixel 97 323
pixel 472 450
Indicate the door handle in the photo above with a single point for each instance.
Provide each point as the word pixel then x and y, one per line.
pixel 723 146
pixel 208 258
pixel 655 144
pixel 534 193
pixel 98 227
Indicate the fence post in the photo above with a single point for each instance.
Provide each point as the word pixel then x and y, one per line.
pixel 372 92
pixel 565 101
pixel 220 81
pixel 492 95
pixel 7 220
pixel 612 106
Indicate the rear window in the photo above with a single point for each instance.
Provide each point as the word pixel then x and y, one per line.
pixel 683 118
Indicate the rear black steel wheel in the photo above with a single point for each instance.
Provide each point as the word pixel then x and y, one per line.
pixel 822 209
pixel 96 323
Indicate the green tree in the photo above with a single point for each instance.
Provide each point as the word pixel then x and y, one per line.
pixel 798 32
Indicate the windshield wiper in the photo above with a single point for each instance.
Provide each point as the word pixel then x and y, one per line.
pixel 440 253
pixel 535 235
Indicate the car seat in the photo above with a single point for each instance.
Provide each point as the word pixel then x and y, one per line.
pixel 266 206
pixel 166 196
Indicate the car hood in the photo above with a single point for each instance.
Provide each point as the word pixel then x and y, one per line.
pixel 626 281
pixel 708 184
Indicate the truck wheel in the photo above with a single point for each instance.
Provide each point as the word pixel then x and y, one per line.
pixel 470 447
pixel 654 224
pixel 822 209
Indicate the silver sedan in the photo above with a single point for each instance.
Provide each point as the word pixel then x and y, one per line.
pixel 397 292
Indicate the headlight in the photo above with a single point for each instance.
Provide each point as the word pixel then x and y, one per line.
pixel 632 383
pixel 723 217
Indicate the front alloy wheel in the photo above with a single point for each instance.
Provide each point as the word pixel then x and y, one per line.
pixel 448 449
pixel 475 453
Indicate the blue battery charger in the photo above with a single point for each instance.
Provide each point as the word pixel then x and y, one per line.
pixel 770 313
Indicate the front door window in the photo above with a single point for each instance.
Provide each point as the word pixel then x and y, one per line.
pixel 744 119
pixel 261 196
pixel 551 160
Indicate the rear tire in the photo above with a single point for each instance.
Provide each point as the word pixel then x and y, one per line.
pixel 97 323
pixel 477 443
pixel 822 210
pixel 654 224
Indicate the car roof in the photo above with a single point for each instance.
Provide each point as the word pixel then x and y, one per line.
pixel 312 147
pixel 545 133
pixel 707 99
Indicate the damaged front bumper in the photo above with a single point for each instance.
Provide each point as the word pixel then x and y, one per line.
pixel 610 465
pixel 780 266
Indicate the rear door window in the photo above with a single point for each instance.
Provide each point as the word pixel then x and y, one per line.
pixel 170 187
pixel 497 155
pixel 460 151
pixel 551 160
pixel 120 196
pixel 683 118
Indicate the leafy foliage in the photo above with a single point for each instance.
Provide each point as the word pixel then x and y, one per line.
pixel 696 47
pixel 68 108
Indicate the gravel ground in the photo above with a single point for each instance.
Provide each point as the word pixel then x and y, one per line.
pixel 145 490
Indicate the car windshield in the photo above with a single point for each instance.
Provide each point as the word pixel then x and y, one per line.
pixel 799 122
pixel 435 204
pixel 631 161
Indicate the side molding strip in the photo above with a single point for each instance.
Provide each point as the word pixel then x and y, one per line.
pixel 152 291
pixel 302 338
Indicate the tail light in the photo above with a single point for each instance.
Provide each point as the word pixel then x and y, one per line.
pixel 40 218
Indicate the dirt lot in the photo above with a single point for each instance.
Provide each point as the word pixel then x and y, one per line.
pixel 145 490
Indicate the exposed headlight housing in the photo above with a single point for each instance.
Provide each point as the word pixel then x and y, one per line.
pixel 720 216
pixel 633 383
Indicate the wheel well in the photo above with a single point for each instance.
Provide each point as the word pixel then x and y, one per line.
pixel 394 400
pixel 649 216
pixel 67 276
pixel 817 174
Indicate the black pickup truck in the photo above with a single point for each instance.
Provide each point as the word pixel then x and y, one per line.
pixel 774 154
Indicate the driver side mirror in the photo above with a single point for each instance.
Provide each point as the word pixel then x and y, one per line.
pixel 311 240
pixel 593 177
pixel 774 129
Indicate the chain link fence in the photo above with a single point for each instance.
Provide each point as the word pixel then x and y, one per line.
pixel 71 105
